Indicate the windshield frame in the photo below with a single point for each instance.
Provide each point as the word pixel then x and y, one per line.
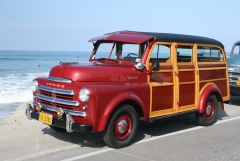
pixel 117 47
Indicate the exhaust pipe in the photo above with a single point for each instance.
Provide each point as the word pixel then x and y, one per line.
pixel 29 111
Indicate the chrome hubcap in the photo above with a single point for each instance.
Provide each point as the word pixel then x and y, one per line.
pixel 208 109
pixel 122 126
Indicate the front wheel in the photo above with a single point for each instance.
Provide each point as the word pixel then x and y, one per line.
pixel 210 114
pixel 122 127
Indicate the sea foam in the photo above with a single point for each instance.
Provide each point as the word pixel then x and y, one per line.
pixel 17 87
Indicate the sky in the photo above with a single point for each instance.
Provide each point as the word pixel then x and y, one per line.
pixel 67 25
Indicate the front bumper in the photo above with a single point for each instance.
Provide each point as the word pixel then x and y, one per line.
pixel 235 91
pixel 66 122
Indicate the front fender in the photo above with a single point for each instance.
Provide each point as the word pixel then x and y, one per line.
pixel 113 104
pixel 206 91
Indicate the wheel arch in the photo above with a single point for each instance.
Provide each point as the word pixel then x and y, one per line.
pixel 116 103
pixel 206 91
pixel 134 104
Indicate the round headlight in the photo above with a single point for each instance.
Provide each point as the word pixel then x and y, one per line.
pixel 84 95
pixel 34 85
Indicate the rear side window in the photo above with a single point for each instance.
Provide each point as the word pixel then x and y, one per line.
pixel 209 54
pixel 184 54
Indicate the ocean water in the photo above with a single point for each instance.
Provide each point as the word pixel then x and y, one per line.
pixel 19 68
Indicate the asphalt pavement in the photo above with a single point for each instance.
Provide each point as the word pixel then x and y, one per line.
pixel 171 139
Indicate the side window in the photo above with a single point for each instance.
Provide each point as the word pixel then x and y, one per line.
pixel 184 54
pixel 161 53
pixel 209 54
pixel 130 52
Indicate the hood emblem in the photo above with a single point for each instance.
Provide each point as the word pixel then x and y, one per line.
pixel 56 85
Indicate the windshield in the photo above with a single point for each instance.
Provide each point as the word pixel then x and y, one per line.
pixel 236 49
pixel 234 60
pixel 119 51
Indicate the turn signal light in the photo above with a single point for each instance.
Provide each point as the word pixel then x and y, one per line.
pixel 60 112
pixel 84 108
pixel 38 108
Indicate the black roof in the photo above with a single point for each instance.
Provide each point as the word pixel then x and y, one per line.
pixel 168 37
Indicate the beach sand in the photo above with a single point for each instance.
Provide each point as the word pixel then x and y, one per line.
pixel 20 137
pixel 18 118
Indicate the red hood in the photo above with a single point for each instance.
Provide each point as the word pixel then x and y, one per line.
pixel 96 72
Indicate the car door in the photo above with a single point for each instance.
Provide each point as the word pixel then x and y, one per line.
pixel 161 80
pixel 186 77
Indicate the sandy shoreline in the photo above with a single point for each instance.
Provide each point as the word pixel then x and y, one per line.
pixel 18 118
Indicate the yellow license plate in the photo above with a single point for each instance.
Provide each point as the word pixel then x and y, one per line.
pixel 238 82
pixel 45 118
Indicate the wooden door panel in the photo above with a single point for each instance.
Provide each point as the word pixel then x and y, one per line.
pixel 187 87
pixel 186 76
pixel 212 74
pixel 162 98
pixel 162 91
pixel 186 94
pixel 159 77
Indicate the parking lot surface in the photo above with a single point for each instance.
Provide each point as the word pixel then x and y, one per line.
pixel 177 138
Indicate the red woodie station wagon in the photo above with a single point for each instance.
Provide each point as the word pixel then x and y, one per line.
pixel 132 75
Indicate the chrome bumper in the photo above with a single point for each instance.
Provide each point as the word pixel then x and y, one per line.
pixel 55 109
pixel 66 122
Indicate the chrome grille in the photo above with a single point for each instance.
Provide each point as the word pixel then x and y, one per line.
pixel 56 97
pixel 233 74
pixel 56 90
pixel 60 96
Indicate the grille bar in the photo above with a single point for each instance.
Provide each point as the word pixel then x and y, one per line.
pixel 57 100
pixel 233 76
pixel 56 90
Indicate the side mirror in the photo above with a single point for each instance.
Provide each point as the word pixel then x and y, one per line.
pixel 156 66
pixel 139 66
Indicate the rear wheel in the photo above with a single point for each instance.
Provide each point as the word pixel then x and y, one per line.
pixel 209 116
pixel 122 127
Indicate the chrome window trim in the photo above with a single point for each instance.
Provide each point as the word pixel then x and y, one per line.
pixel 57 100
pixel 54 109
pixel 57 79
pixel 56 90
